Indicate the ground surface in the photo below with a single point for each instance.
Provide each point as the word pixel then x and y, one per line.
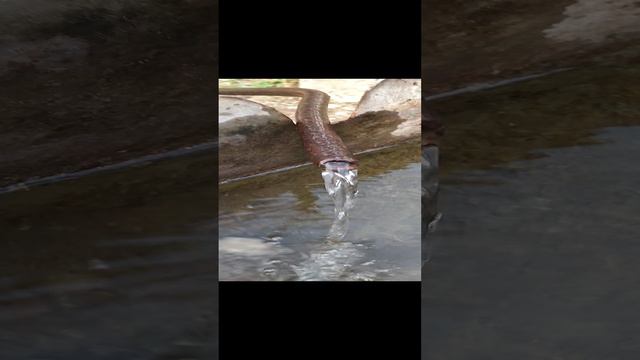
pixel 466 42
pixel 80 84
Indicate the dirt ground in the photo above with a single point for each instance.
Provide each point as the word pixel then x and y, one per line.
pixel 468 42
pixel 83 85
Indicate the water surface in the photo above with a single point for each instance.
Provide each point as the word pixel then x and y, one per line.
pixel 276 227
pixel 536 255
pixel 111 266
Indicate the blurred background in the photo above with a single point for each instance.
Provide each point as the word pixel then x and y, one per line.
pixel 93 83
pixel 116 265
pixel 535 256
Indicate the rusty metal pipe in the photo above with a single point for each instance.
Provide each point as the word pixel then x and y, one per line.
pixel 312 121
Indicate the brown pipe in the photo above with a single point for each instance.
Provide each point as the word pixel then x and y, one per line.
pixel 320 141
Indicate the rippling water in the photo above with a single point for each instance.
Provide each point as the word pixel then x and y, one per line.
pixel 276 229
pixel 537 247
pixel 536 256
pixel 117 266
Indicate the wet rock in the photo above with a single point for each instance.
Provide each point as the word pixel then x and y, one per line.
pixel 255 138
pixel 399 95
pixel 389 94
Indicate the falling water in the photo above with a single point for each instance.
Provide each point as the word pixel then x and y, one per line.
pixel 341 183
pixel 333 258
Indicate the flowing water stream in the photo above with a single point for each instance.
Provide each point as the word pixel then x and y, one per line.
pixel 341 183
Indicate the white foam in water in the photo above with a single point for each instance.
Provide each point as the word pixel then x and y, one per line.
pixel 332 262
pixel 334 258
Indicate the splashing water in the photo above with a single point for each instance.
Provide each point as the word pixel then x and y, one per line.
pixel 334 258
pixel 332 261
pixel 341 183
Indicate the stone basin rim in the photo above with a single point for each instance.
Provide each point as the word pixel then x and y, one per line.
pixel 297 166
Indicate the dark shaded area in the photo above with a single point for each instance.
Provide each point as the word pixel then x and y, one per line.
pixel 116 265
pixel 93 86
pixel 536 253
pixel 112 266
pixel 515 122
pixel 465 43
pixel 291 300
pixel 335 39
pixel 538 259
pixel 535 256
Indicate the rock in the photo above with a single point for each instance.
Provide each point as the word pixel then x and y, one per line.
pixel 254 138
pixel 248 247
pixel 402 96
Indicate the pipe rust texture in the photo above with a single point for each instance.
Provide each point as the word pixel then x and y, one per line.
pixel 312 121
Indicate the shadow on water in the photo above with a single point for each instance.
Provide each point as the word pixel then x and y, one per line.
pixel 98 267
pixel 536 255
